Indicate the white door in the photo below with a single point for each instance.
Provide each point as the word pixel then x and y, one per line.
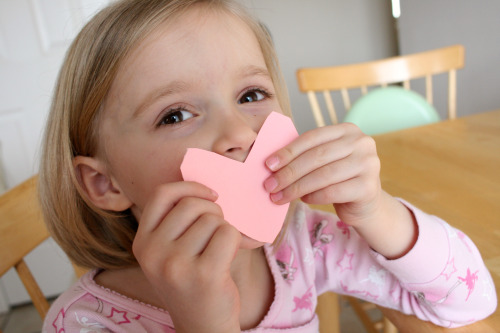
pixel 34 36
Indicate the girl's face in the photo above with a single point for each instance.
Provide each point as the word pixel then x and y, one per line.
pixel 199 81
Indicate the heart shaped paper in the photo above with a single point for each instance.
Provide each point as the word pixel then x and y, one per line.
pixel 244 201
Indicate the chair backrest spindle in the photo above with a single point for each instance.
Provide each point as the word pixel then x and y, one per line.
pixel 428 89
pixel 330 107
pixel 346 99
pixel 452 94
pixel 318 117
pixel 384 72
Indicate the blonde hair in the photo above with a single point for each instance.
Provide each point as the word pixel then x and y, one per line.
pixel 90 236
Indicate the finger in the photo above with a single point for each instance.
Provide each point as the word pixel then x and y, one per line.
pixel 222 247
pixel 168 239
pixel 311 160
pixel 195 239
pixel 185 213
pixel 330 174
pixel 350 191
pixel 166 197
pixel 304 142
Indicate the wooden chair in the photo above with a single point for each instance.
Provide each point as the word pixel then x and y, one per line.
pixel 21 230
pixel 395 70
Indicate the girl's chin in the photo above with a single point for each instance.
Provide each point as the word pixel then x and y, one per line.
pixel 248 243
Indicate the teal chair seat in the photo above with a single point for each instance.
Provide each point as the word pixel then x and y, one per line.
pixel 390 109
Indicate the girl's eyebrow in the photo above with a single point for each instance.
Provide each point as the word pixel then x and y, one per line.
pixel 252 70
pixel 170 89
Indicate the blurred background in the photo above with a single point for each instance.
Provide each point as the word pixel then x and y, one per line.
pixel 336 32
pixel 34 35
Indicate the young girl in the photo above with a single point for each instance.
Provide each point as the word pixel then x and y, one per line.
pixel 144 81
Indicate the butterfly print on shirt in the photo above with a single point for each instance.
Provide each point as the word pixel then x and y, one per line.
pixel 320 238
pixel 286 269
pixel 345 229
pixel 304 302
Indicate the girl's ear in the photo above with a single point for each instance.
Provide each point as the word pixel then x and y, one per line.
pixel 98 185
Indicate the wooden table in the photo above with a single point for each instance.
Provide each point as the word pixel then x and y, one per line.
pixel 450 169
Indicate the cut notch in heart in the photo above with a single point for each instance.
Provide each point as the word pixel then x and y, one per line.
pixel 244 201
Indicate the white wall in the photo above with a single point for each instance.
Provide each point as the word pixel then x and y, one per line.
pixel 325 33
pixel 428 24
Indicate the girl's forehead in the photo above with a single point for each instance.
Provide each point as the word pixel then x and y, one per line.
pixel 197 28
pixel 194 48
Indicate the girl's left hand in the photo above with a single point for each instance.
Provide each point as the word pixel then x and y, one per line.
pixel 333 164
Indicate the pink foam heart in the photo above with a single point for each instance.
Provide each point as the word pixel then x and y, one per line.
pixel 244 201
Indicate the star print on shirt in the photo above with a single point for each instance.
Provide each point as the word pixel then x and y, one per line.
pixel 345 263
pixel 119 317
pixel 58 321
pixel 450 269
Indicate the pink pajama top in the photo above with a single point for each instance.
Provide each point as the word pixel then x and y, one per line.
pixel 442 279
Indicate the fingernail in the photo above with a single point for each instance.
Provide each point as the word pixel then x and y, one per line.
pixel 272 163
pixel 277 196
pixel 270 184
pixel 214 194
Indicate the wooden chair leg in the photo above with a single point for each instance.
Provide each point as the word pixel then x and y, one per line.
pixel 362 315
pixel 384 325
pixel 32 288
pixel 328 311
pixel 389 326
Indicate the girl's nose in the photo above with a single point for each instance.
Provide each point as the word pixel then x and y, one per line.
pixel 235 137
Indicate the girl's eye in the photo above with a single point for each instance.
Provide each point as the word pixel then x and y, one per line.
pixel 253 95
pixel 175 116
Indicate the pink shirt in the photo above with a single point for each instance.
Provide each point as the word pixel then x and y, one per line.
pixel 442 279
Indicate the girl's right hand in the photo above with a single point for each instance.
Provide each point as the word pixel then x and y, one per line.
pixel 185 248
